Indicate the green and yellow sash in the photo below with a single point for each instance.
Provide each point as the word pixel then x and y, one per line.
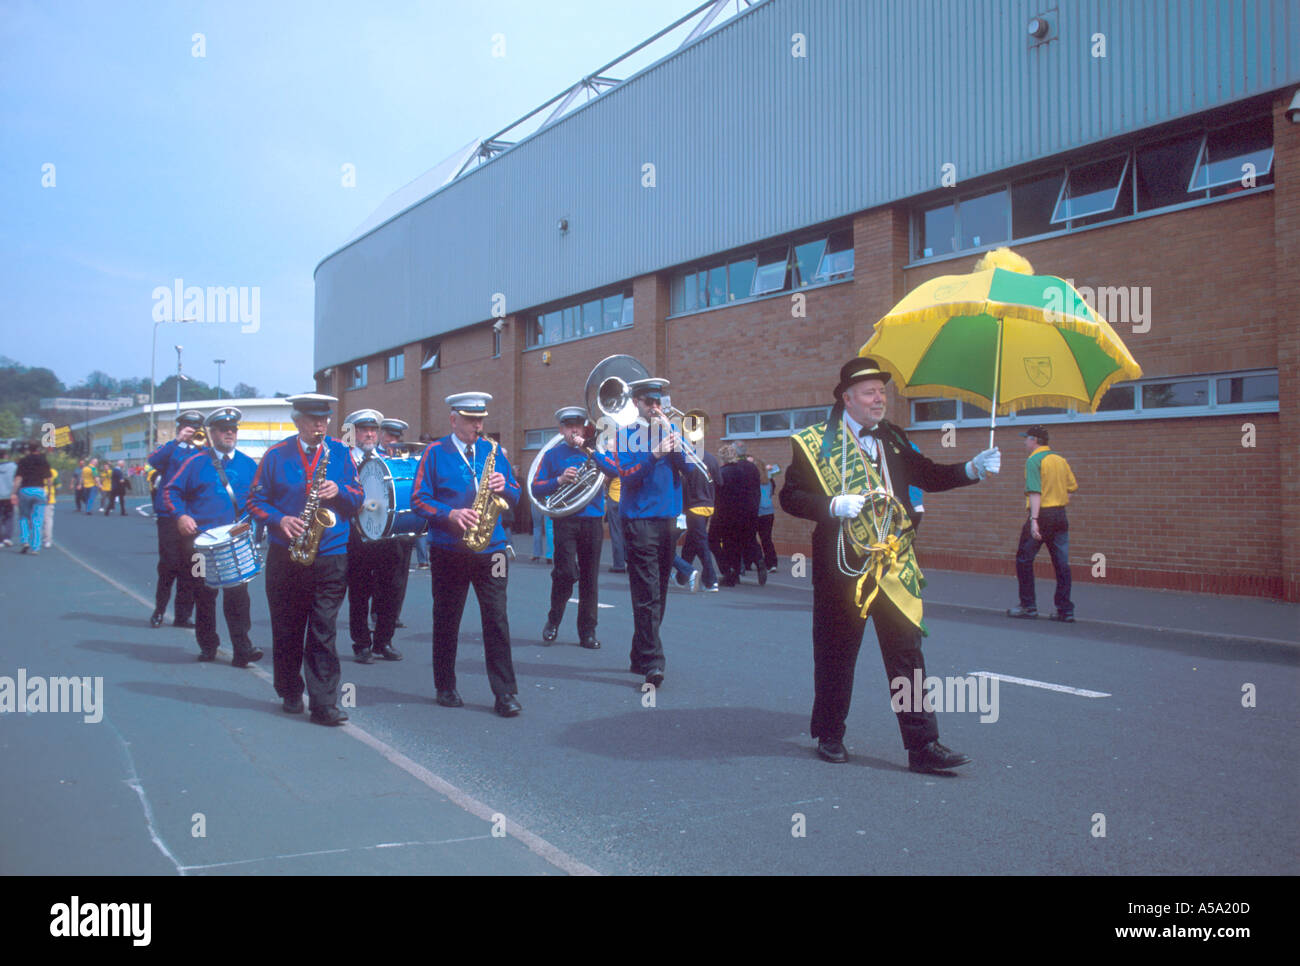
pixel 891 564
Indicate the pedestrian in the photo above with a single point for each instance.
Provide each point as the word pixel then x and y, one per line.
pixel 78 489
pixel 733 534
pixel 699 494
pixel 29 496
pixel 47 524
pixel 119 487
pixel 835 465
pixel 1049 481
pixel 89 484
pixel 106 487
pixel 766 514
pixel 7 469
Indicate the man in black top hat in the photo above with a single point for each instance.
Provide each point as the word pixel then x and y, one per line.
pixel 834 465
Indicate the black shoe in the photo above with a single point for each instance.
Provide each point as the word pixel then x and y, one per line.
pixel 206 656
pixel 762 576
pixel 399 624
pixel 449 699
pixel 388 652
pixel 655 677
pixel 293 705
pixel 245 658
pixel 330 717
pixel 1027 613
pixel 364 656
pixel 549 632
pixel 935 757
pixel 1063 618
pixel 590 643
pixel 183 623
pixel 157 619
pixel 508 706
pixel 832 751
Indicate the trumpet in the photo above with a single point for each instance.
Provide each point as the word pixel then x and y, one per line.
pixel 694 433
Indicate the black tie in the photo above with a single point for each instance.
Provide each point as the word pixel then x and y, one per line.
pixel 870 431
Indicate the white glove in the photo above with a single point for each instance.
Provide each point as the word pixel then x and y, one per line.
pixel 849 505
pixel 989 461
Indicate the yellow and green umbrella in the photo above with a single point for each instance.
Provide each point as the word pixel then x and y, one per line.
pixel 1001 338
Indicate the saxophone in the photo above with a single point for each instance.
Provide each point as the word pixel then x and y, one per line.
pixel 487 505
pixel 314 517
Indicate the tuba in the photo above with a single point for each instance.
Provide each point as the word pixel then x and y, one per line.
pixel 609 391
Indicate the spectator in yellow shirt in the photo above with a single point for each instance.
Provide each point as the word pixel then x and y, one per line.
pixel 1049 481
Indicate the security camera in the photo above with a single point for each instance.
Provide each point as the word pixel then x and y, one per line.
pixel 498 325
pixel 1293 109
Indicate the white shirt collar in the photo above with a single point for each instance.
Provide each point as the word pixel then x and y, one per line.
pixel 855 428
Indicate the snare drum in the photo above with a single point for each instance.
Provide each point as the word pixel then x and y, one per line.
pixel 387 484
pixel 230 555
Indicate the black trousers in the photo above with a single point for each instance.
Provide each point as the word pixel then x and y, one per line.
pixel 837 636
pixel 173 564
pixel 375 576
pixel 765 541
pixel 454 571
pixel 650 551
pixel 235 604
pixel 304 604
pixel 80 495
pixel 577 560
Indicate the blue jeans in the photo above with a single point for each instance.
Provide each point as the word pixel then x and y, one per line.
pixel 543 538
pixel 31 515
pixel 1055 529
pixel 90 498
pixel 422 550
pixel 697 545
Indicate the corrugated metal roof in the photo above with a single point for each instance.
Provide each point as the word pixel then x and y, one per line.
pixel 749 141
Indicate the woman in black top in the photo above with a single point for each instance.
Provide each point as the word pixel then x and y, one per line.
pixel 29 496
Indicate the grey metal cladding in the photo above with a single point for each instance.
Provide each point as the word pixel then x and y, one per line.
pixel 749 141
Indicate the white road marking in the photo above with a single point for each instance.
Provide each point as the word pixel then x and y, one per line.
pixel 138 788
pixel 536 844
pixel 302 855
pixel 1065 689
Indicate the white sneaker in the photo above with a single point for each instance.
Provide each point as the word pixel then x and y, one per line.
pixel 694 581
pixel 8 543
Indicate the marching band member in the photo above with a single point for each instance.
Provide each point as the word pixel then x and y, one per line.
pixel 390 444
pixel 210 489
pixel 372 564
pixel 173 564
pixel 452 473
pixel 304 597
pixel 650 466
pixel 579 535
pixel 835 463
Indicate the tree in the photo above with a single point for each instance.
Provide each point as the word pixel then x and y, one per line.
pixel 10 425
pixel 244 391
pixel 21 388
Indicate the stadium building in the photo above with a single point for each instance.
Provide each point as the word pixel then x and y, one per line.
pixel 739 213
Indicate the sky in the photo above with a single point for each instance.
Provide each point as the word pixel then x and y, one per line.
pixel 136 157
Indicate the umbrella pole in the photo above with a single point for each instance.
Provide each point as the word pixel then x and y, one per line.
pixel 997 377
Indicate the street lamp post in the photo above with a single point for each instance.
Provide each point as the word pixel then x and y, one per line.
pixel 220 363
pixel 179 377
pixel 153 376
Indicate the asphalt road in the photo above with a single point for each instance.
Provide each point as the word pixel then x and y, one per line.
pixel 716 777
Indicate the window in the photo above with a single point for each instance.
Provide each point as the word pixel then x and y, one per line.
pixel 774 268
pixel 1229 154
pixel 1242 392
pixel 1186 168
pixel 357 377
pixel 984 219
pixel 1090 189
pixel 777 422
pixel 432 357
pixel 581 319
pixel 396 366
pixel 537 438
pixel 837 260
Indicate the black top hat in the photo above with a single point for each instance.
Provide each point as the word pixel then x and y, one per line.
pixel 858 369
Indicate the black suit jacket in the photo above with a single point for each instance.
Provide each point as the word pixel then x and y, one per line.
pixel 802 494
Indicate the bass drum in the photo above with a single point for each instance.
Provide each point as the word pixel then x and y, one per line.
pixel 387 484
